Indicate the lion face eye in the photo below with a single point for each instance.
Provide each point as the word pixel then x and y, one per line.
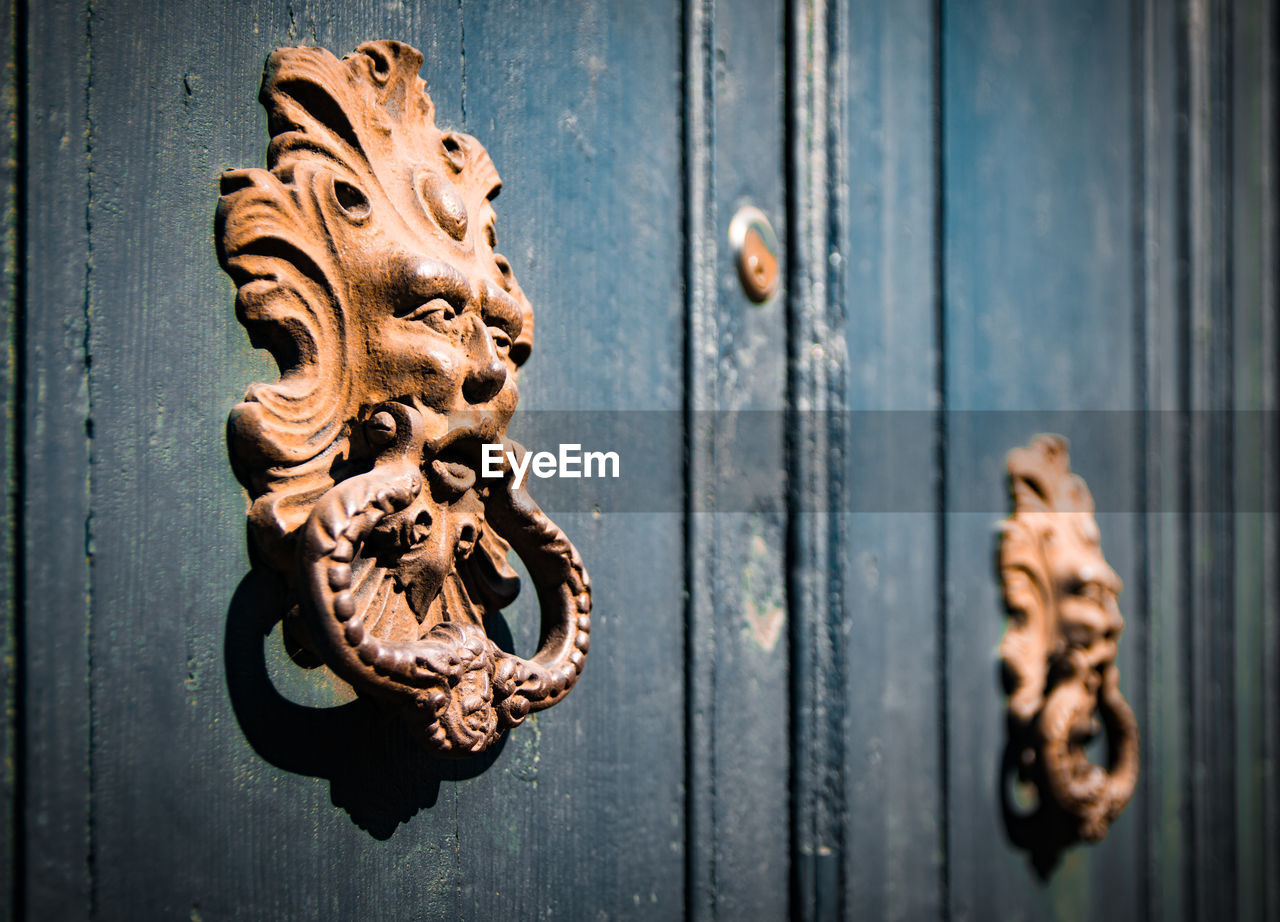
pixel 454 151
pixel 353 202
pixel 501 339
pixel 504 269
pixel 437 313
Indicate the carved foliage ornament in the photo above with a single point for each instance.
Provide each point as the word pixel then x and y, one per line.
pixel 365 261
pixel 1060 647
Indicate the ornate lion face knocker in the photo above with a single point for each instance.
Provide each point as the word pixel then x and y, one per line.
pixel 1060 648
pixel 364 258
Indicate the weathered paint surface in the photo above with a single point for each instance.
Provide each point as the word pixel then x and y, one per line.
pixel 984 205
pixel 1039 304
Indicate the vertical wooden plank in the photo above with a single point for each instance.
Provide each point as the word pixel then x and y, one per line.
pixel 1210 383
pixel 11 189
pixel 1039 314
pixel 894 835
pixel 734 71
pixel 1252 270
pixel 1162 216
pixel 220 785
pixel 189 818
pixel 700 361
pixel 749 545
pixel 579 105
pixel 1210 206
pixel 57 544
pixel 214 791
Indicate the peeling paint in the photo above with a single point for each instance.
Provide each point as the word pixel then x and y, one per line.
pixel 762 594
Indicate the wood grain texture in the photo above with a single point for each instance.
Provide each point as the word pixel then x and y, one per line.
pixel 816 377
pixel 11 194
pixel 584 123
pixel 738 648
pixel 1039 314
pixel 1254 330
pixel 57 542
pixel 1097 232
pixel 1164 584
pixel 894 826
pixel 748 548
pixel 216 793
pixel 1211 611
pixel 701 357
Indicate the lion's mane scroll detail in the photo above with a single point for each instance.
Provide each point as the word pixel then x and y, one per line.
pixel 1060 647
pixel 365 261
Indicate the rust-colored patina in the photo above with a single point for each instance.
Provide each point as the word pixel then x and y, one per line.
pixel 1060 648
pixel 365 261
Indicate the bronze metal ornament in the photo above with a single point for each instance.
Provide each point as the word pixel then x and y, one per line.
pixel 1060 647
pixel 364 258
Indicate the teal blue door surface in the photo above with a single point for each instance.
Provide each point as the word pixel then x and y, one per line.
pixel 996 218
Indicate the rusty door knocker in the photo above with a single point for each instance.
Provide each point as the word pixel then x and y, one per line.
pixel 1060 647
pixel 365 261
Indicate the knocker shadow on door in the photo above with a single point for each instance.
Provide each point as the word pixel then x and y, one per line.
pixel 376 771
pixel 1034 823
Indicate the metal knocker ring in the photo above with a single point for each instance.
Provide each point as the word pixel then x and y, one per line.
pixel 456 688
pixel 1094 794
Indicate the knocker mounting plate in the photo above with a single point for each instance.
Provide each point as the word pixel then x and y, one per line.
pixel 365 261
pixel 1060 647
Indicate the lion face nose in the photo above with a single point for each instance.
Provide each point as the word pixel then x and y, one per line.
pixel 486 374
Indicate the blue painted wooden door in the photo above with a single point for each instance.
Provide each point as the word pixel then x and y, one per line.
pixel 997 218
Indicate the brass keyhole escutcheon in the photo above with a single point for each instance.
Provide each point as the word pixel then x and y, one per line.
pixel 756 247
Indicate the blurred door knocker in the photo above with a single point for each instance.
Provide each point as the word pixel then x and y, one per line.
pixel 365 262
pixel 1061 643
